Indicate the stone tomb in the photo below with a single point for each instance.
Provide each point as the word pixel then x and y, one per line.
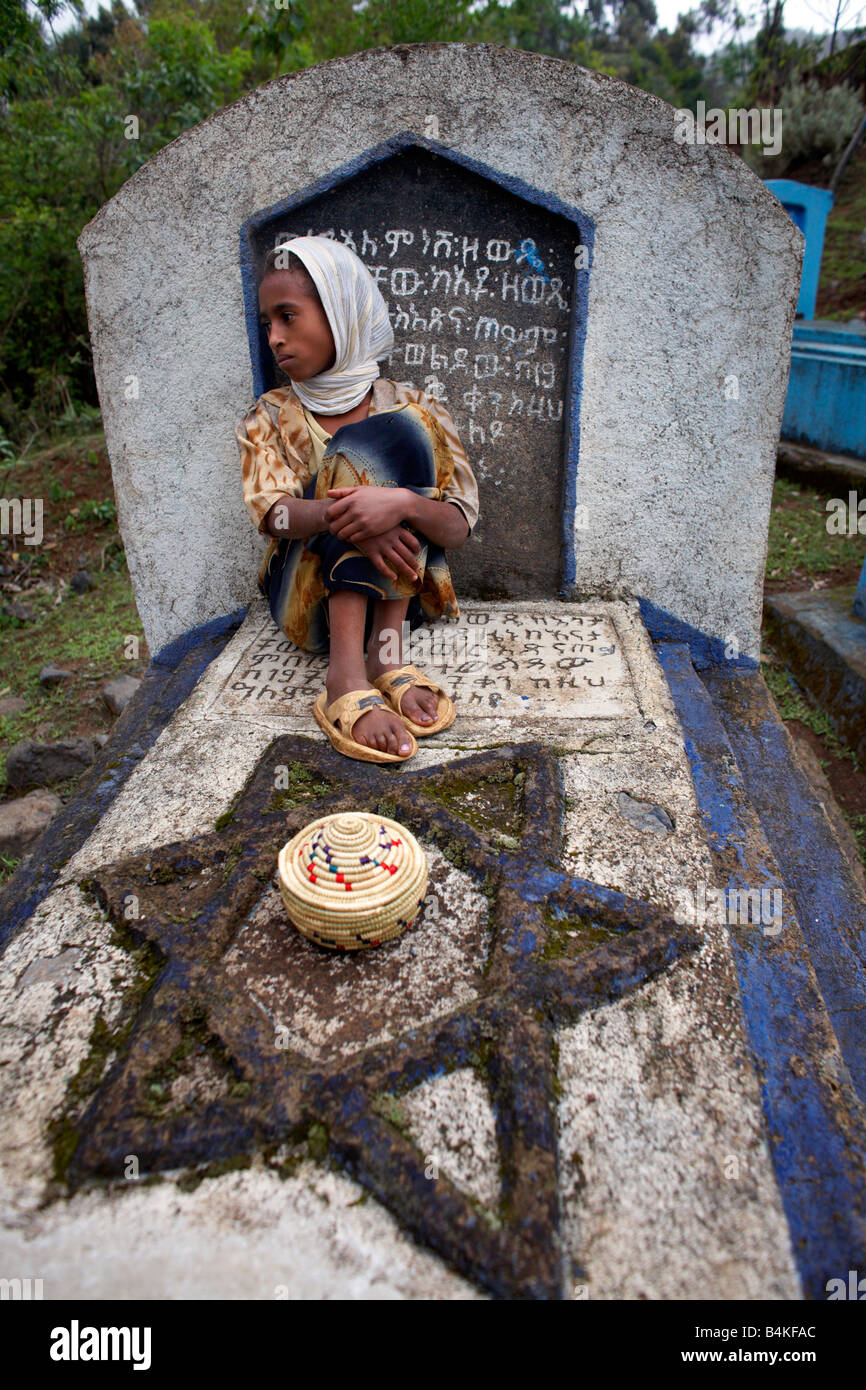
pixel 566 1080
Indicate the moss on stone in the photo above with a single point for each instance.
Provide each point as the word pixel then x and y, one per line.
pixel 491 804
pixel 63 1132
pixel 389 1107
pixel 236 849
pixel 455 853
pixel 488 887
pixel 195 1036
pixel 317 1142
pixel 188 1182
pixel 163 873
pixel 572 935
pixel 302 786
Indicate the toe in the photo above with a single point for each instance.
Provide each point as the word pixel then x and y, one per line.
pixel 420 708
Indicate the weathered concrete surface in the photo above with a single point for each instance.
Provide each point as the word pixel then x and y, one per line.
pixel 327 1006
pixel 665 1074
pixel 826 644
pixel 254 1234
pixel 676 460
pixel 673 1088
pixel 801 968
pixel 56 979
pixel 452 1119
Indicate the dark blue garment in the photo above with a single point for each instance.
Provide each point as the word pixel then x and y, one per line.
pixel 389 449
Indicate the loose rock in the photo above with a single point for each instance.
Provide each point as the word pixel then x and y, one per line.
pixel 645 815
pixel 56 970
pixel 81 582
pixel 50 675
pixel 31 764
pixel 24 612
pixel 22 821
pixel 117 694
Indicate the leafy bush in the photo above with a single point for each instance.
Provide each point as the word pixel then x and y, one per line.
pixel 817 122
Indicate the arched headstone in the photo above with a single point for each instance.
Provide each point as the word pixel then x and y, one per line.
pixel 678 354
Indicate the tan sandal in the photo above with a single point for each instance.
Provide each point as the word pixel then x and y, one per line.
pixel 394 684
pixel 339 719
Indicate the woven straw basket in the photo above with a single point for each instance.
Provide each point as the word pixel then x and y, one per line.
pixel 352 880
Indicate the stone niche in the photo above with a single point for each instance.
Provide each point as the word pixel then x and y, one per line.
pixel 486 292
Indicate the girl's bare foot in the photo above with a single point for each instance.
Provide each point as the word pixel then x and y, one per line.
pixel 419 703
pixel 377 728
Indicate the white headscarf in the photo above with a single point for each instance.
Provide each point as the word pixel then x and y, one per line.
pixel 359 322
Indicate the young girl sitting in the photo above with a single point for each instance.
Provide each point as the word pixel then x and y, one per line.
pixel 361 483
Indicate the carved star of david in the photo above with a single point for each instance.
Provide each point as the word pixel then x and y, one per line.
pixel 558 946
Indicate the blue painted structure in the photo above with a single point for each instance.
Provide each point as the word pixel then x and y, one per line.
pixel 809 208
pixel 860 596
pixel 743 767
pixel 826 401
pixel 704 650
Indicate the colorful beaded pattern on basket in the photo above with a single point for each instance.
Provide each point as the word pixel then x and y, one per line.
pixel 374 859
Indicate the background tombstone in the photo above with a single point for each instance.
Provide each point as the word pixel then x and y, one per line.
pixel 666 492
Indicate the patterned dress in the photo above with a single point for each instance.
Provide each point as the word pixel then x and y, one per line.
pixel 407 440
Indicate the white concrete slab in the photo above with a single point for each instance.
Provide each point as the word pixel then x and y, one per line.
pixel 657 1090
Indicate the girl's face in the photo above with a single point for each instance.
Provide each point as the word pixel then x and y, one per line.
pixel 299 334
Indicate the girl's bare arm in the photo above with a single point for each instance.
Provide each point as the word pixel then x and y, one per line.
pixel 443 523
pixel 294 518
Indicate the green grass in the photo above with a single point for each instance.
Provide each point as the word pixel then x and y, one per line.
pixel 799 542
pixel 85 630
pixel 83 517
pixel 843 261
pixel 793 704
pixel 7 867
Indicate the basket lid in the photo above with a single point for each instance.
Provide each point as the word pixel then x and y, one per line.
pixel 351 864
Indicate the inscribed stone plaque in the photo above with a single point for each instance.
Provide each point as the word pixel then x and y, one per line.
pixel 479 287
pixel 526 671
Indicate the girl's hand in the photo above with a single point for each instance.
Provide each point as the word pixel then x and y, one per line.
pixel 395 550
pixel 360 513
